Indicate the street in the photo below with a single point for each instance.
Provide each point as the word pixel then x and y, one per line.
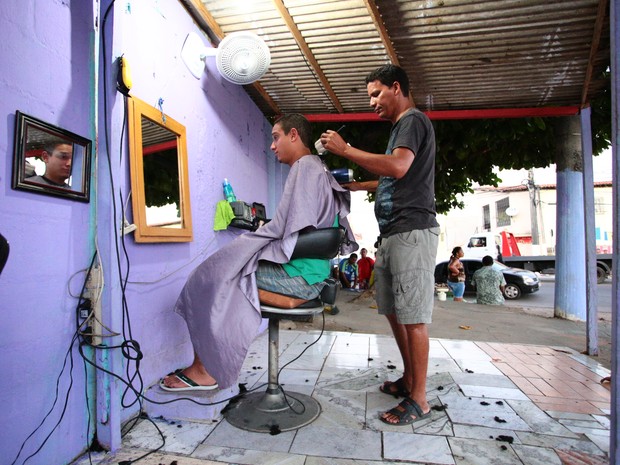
pixel 544 297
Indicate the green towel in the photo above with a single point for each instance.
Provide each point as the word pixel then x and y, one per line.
pixel 223 215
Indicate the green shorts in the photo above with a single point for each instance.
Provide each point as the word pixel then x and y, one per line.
pixel 405 275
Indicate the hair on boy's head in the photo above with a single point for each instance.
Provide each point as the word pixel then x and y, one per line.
pixel 299 122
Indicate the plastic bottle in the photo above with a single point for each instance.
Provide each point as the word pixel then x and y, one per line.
pixel 228 191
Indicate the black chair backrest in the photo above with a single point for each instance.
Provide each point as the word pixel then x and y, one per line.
pixel 319 243
pixel 4 252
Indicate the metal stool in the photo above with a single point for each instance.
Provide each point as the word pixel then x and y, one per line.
pixel 273 410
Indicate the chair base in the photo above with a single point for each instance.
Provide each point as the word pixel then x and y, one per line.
pixel 269 412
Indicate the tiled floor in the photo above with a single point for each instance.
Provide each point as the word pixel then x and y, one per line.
pixel 492 404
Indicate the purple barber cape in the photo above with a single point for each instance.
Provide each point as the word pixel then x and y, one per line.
pixel 220 299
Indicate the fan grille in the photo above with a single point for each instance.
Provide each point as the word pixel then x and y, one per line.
pixel 242 58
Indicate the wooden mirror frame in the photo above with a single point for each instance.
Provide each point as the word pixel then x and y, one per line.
pixel 140 111
pixel 32 137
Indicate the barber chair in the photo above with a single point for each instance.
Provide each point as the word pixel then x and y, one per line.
pixel 273 409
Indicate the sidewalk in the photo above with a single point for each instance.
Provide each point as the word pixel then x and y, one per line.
pixel 493 401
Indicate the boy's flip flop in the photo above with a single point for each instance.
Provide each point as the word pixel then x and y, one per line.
pixel 190 383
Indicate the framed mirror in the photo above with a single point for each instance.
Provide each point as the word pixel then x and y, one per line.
pixel 50 160
pixel 159 177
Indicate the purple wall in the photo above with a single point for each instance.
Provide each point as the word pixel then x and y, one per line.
pixel 48 72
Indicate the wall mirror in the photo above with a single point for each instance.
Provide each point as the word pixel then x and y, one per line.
pixel 50 160
pixel 159 177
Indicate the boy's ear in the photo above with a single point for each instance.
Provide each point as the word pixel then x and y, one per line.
pixel 294 134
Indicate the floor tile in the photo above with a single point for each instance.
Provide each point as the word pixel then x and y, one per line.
pixel 226 435
pixel 536 455
pixel 337 442
pixel 491 403
pixel 417 448
pixel 246 456
pixel 180 436
pixel 345 409
pixel 476 452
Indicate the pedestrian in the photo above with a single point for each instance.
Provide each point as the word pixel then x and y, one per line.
pixel 409 232
pixel 456 274
pixel 489 283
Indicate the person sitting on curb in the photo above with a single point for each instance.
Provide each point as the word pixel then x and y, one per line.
pixel 489 283
pixel 348 271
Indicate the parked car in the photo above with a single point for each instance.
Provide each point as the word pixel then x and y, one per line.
pixel 518 281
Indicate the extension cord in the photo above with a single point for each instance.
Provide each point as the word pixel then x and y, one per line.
pixel 128 228
pixel 94 287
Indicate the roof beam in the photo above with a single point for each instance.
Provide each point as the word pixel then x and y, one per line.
pixel 371 6
pixel 491 113
pixel 596 39
pixel 305 49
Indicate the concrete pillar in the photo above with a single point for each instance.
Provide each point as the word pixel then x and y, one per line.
pixel 590 238
pixel 570 290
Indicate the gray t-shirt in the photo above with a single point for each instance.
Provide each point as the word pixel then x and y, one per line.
pixel 408 203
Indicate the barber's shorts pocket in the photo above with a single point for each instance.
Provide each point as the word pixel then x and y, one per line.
pixel 410 238
pixel 408 289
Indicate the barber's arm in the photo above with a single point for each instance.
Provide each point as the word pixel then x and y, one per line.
pixel 370 186
pixel 394 165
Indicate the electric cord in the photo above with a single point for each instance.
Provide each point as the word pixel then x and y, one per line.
pixel 130 348
pixel 295 359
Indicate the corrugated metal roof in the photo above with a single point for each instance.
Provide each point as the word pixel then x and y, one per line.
pixel 459 54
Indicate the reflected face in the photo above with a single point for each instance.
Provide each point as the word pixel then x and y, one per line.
pixel 58 163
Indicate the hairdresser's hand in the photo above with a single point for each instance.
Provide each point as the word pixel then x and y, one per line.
pixel 333 142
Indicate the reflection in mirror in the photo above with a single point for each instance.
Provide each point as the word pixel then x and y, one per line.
pixel 50 160
pixel 161 176
pixel 160 185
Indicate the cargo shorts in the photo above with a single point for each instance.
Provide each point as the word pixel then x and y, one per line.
pixel 405 275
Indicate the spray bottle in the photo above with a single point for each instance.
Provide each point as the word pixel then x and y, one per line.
pixel 228 191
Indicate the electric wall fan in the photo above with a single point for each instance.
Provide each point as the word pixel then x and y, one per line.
pixel 241 57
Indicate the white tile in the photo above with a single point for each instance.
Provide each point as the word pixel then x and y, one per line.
pixel 337 442
pixel 344 409
pixel 476 452
pixel 537 455
pixel 466 350
pixel 483 433
pixel 417 448
pixel 477 366
pixel 558 442
pixel 180 436
pixel 538 420
pixel 601 441
pixel 226 435
pixel 492 392
pixel 347 361
pixel 247 457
